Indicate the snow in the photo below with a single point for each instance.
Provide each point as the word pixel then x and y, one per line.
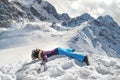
pixel 63 68
pixel 17 42
pixel 15 56
pixel 25 2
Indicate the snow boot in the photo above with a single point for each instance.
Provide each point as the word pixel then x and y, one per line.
pixel 86 60
pixel 73 50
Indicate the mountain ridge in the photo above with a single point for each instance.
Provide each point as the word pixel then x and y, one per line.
pixel 30 11
pixel 19 11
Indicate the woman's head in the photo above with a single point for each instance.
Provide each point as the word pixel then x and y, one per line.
pixel 35 53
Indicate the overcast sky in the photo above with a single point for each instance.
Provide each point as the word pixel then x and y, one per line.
pixel 93 7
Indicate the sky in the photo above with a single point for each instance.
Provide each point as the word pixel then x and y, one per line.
pixel 94 7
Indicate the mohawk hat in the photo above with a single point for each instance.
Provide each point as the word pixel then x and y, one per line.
pixel 36 54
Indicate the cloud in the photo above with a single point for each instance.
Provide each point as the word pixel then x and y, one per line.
pixel 96 8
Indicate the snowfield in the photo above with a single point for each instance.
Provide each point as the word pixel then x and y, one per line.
pixel 63 68
pixel 16 64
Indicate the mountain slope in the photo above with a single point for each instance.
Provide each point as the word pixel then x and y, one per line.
pixel 16 11
pixel 101 35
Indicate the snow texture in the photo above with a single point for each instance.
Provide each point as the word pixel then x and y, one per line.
pixel 17 65
pixel 98 38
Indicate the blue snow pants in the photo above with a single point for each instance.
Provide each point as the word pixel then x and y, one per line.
pixel 69 53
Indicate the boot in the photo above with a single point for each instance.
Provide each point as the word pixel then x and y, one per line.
pixel 73 50
pixel 86 60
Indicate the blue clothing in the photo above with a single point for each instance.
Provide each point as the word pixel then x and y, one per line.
pixel 69 53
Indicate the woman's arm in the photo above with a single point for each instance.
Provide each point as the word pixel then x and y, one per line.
pixel 44 60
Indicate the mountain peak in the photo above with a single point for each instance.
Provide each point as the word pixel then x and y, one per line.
pixel 86 16
pixel 77 20
pixel 106 20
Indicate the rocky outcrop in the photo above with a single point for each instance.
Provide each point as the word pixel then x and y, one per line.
pixel 77 21
pixel 105 21
pixel 64 17
pixel 37 14
pixel 13 11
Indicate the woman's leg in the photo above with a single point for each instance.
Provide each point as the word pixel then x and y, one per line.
pixel 70 50
pixel 77 56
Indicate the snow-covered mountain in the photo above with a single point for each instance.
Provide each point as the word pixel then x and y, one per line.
pixel 103 33
pixel 36 24
pixel 25 10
